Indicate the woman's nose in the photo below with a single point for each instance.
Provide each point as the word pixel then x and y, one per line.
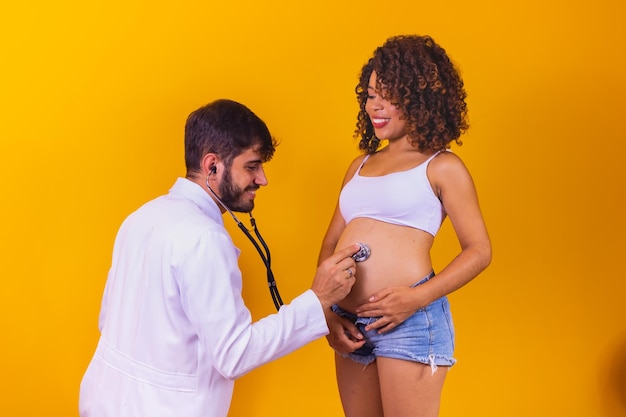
pixel 376 103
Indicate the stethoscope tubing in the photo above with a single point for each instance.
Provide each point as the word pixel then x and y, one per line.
pixel 263 253
pixel 265 257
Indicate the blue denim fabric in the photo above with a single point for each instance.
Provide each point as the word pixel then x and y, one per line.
pixel 425 337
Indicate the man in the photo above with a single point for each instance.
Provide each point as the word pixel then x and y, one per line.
pixel 175 332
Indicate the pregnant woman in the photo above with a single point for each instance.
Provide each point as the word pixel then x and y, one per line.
pixel 393 333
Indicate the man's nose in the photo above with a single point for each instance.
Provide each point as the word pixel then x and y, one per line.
pixel 261 178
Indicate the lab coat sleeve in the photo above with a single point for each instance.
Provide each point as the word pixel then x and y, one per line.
pixel 103 306
pixel 210 286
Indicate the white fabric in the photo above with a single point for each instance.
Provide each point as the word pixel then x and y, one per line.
pixel 405 198
pixel 175 332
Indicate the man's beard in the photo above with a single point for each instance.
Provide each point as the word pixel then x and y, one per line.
pixel 231 195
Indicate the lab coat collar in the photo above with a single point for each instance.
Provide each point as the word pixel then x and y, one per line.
pixel 194 192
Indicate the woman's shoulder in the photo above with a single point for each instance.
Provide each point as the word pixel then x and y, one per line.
pixel 356 162
pixel 445 164
pixel 360 158
pixel 446 158
pixel 354 166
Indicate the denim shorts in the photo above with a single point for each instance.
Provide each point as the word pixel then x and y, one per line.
pixel 425 337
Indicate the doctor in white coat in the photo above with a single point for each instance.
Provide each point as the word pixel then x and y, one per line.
pixel 175 332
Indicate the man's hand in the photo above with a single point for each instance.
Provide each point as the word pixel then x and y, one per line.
pixel 335 277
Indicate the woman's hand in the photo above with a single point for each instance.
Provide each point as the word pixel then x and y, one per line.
pixel 344 336
pixel 393 305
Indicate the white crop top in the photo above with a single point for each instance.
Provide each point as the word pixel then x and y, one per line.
pixel 404 198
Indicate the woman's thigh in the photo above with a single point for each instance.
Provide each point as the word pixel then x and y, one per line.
pixel 359 389
pixel 410 388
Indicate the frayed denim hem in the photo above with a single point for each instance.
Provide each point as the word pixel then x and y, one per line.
pixel 362 359
pixel 433 360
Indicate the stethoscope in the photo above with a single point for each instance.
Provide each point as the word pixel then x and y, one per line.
pixel 361 255
pixel 264 252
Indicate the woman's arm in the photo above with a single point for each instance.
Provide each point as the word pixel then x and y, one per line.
pixel 337 223
pixel 455 187
pixel 333 233
pixel 344 337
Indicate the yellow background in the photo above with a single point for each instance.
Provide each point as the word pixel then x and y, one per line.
pixel 94 98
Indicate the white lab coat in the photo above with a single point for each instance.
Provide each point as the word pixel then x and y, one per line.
pixel 175 332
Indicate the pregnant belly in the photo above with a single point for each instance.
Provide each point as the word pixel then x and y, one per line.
pixel 400 256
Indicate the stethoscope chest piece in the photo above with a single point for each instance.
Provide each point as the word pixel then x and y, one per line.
pixel 363 253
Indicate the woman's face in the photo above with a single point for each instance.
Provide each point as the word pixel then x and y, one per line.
pixel 387 119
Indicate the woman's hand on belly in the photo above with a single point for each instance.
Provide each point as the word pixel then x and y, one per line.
pixel 400 257
pixel 393 305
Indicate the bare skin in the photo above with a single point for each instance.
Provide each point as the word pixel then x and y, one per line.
pixel 384 284
pixel 334 276
pixel 400 257
pixel 418 394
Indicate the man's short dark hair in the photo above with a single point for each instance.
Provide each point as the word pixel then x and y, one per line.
pixel 225 128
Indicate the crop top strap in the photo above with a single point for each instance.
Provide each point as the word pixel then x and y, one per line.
pixel 358 170
pixel 432 156
pixel 423 163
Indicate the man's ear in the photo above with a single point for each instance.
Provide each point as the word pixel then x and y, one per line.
pixel 210 164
